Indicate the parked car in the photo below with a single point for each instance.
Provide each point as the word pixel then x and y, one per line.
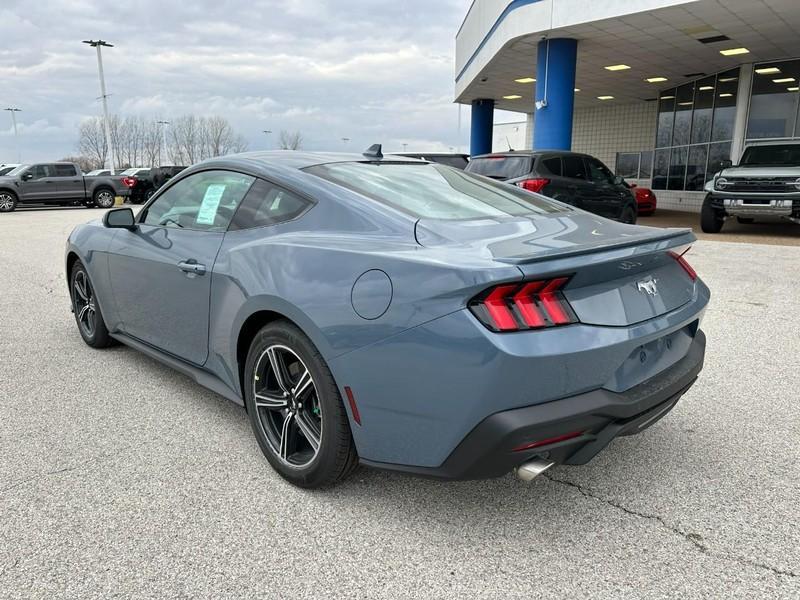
pixel 402 314
pixel 452 159
pixel 645 200
pixel 57 184
pixel 141 185
pixel 576 179
pixel 765 184
pixel 5 169
pixel 98 172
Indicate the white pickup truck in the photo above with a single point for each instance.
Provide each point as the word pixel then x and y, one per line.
pixel 765 184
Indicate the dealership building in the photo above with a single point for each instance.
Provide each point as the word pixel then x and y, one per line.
pixel 659 90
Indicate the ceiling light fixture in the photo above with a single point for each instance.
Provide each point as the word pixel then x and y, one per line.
pixel 616 67
pixel 512 97
pixel 783 80
pixel 685 103
pixel 525 80
pixel 667 97
pixel 768 70
pixel 793 89
pixel 725 95
pixel 727 79
pixel 706 88
pixel 605 97
pixel 656 79
pixel 734 51
pixel 577 89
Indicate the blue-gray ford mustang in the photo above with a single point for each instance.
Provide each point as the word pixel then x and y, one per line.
pixel 396 313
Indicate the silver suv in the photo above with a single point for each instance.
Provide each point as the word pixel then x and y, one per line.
pixel 766 183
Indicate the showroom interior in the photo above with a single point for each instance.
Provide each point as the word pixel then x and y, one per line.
pixel 659 90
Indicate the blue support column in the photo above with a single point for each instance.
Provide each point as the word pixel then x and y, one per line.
pixel 481 127
pixel 555 84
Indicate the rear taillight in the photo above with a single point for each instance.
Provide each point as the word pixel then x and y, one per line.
pixel 129 181
pixel 526 305
pixel 533 185
pixel 684 264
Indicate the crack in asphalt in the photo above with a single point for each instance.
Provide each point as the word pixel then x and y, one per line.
pixel 693 538
pixel 88 461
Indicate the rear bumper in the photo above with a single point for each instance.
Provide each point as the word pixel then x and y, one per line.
pixel 599 416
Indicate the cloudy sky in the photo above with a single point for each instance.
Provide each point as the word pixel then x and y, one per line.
pixel 369 70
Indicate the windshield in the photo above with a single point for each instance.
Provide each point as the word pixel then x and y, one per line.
pixel 500 167
pixel 778 155
pixel 17 170
pixel 435 191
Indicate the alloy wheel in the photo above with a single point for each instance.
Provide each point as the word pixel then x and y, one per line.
pixel 6 202
pixel 287 405
pixel 84 303
pixel 105 199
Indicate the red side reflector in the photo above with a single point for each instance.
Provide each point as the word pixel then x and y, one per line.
pixel 352 402
pixel 548 441
pixel 533 185
pixel 684 264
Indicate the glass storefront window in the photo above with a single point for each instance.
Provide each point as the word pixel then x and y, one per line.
pixel 627 165
pixel 774 101
pixel 692 118
pixel 684 101
pixel 666 116
pixel 725 105
pixel 696 167
pixel 646 165
pixel 703 109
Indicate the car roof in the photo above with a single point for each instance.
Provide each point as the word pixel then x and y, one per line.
pixel 297 159
pixel 417 154
pixel 530 153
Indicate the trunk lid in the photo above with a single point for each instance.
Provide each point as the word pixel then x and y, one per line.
pixel 619 274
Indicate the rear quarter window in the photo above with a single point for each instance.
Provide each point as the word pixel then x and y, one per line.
pixel 552 165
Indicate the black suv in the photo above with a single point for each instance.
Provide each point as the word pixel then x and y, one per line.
pixel 576 179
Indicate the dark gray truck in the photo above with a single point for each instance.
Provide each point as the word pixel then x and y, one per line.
pixel 764 185
pixel 59 183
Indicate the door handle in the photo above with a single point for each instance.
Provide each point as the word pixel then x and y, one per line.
pixel 192 266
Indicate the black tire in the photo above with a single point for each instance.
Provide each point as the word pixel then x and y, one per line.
pixel 88 316
pixel 103 198
pixel 628 215
pixel 335 456
pixel 8 201
pixel 711 219
pixel 746 220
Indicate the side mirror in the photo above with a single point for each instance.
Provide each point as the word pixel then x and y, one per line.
pixel 27 176
pixel 120 218
pixel 618 180
pixel 725 164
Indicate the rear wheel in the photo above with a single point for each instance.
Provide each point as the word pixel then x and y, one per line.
pixel 8 201
pixel 87 312
pixel 104 198
pixel 295 408
pixel 711 219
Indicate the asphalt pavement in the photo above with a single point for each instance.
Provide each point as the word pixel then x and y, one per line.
pixel 122 478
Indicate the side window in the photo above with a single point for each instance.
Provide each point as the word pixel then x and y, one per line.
pixel 65 171
pixel 204 201
pixel 598 172
pixel 268 204
pixel 574 167
pixel 40 171
pixel 553 165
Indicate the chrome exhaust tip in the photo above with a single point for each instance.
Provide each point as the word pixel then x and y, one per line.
pixel 532 469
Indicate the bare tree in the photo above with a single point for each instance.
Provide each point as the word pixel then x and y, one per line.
pixel 92 140
pixel 290 140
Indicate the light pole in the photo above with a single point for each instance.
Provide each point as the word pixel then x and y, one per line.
pixel 267 132
pixel 345 140
pixel 404 147
pixel 14 112
pixel 98 44
pixel 163 139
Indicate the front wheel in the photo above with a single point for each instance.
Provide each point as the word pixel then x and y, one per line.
pixel 103 198
pixel 8 202
pixel 88 316
pixel 711 219
pixel 295 409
